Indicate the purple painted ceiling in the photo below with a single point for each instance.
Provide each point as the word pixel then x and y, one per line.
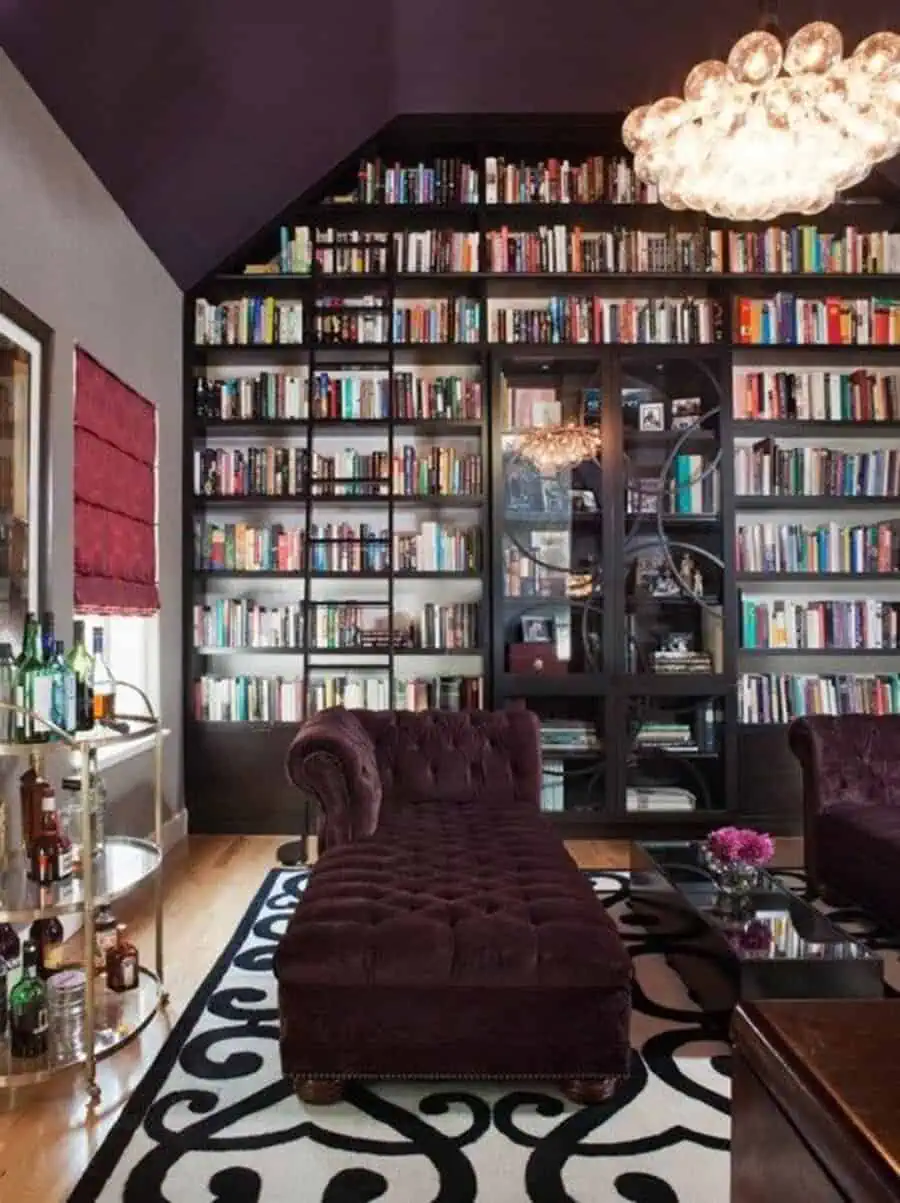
pixel 205 117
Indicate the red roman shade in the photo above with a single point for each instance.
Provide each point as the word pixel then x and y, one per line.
pixel 115 494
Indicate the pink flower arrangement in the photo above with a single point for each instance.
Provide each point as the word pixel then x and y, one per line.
pixel 740 845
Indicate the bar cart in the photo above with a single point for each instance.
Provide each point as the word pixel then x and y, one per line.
pixel 110 1020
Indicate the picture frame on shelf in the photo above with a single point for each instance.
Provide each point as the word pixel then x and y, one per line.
pixel 583 501
pixel 686 412
pixel 537 628
pixel 651 417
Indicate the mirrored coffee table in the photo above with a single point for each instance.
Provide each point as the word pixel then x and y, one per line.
pixel 777 946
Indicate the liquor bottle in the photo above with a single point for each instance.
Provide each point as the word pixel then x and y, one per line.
pixel 63 690
pixel 11 952
pixel 33 688
pixel 47 935
pixel 122 963
pixel 48 636
pixel 7 694
pixel 82 666
pixel 29 1028
pixel 105 937
pixel 104 683
pixel 51 853
pixel 33 788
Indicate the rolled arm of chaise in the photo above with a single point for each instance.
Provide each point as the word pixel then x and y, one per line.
pixel 332 761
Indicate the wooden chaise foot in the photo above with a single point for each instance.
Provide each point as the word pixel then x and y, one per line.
pixel 318 1092
pixel 586 1091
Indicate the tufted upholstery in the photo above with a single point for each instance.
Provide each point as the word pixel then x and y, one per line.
pixel 851 806
pixel 458 938
pixel 485 757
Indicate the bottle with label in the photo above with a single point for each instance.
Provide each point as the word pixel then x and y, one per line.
pixel 33 688
pixel 104 682
pixel 51 853
pixel 29 1027
pixel 105 937
pixel 11 953
pixel 82 666
pixel 122 963
pixel 47 935
pixel 63 678
pixel 33 788
pixel 7 694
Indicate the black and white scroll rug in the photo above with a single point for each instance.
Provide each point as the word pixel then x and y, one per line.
pixel 213 1121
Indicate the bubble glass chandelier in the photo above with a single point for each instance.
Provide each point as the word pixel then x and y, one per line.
pixel 553 449
pixel 781 127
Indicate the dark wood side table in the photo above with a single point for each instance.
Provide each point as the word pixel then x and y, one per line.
pixel 816 1102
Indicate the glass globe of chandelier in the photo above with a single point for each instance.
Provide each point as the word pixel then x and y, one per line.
pixel 778 128
pixel 553 449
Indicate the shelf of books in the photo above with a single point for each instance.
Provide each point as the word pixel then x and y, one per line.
pixel 816 523
pixel 366 531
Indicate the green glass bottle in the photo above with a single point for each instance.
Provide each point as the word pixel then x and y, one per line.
pixel 64 691
pixel 34 687
pixel 81 663
pixel 29 1027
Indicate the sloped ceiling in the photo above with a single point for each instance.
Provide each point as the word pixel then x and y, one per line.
pixel 204 118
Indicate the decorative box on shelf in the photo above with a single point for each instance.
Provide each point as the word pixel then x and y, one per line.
pixel 525 658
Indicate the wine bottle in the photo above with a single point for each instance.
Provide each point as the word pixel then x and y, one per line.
pixel 104 683
pixel 11 952
pixel 81 664
pixel 33 688
pixel 29 1026
pixel 7 694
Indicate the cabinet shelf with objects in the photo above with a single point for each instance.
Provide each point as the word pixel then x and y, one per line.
pixel 58 862
pixel 455 282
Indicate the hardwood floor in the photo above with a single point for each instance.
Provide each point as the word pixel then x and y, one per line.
pixel 47 1134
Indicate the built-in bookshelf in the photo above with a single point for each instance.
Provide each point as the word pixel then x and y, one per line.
pixel 363 530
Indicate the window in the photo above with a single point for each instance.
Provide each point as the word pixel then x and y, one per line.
pixel 131 649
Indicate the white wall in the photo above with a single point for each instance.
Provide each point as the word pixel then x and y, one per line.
pixel 68 253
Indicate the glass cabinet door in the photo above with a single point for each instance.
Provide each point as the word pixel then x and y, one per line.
pixel 552 589
pixel 20 390
pixel 671 414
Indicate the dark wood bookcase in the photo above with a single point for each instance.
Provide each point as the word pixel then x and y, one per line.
pixel 612 630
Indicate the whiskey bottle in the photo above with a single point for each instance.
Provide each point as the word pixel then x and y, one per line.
pixel 104 682
pixel 105 937
pixel 33 788
pixel 29 1028
pixel 122 963
pixel 51 853
pixel 47 935
pixel 11 953
pixel 82 666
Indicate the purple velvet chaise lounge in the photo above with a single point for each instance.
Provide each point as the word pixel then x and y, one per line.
pixel 445 932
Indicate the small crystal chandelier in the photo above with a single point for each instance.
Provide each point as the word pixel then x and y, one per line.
pixel 552 449
pixel 777 129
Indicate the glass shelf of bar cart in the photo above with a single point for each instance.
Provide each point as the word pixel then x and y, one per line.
pixel 94 1021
